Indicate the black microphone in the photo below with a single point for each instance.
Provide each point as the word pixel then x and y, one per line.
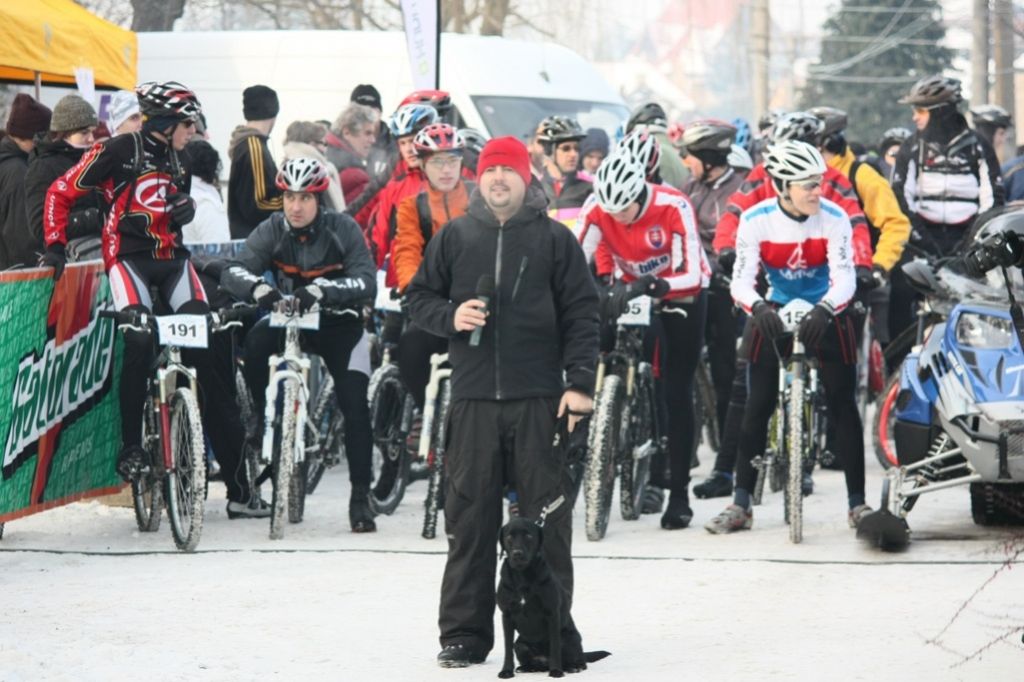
pixel 484 292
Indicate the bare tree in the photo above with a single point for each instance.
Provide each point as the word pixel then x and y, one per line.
pixel 156 15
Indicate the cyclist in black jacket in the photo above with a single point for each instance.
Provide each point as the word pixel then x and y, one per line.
pixel 319 258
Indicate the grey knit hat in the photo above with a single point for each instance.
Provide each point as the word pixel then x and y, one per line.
pixel 72 113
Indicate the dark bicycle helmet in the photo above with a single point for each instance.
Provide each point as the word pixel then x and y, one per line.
pixel 558 129
pixel 769 118
pixel 893 136
pixel 932 91
pixel 709 134
pixel 991 115
pixel 650 114
pixel 835 120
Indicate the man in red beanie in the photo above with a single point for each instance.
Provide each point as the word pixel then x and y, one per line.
pixel 27 119
pixel 523 370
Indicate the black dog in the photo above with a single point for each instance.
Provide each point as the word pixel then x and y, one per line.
pixel 534 604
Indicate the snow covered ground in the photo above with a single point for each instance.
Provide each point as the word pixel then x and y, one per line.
pixel 86 597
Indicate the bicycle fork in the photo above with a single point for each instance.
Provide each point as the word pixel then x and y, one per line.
pixel 166 381
pixel 277 377
pixel 437 375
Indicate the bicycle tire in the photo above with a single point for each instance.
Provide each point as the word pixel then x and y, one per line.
pixel 795 444
pixel 186 484
pixel 327 419
pixel 147 493
pixel 881 427
pixel 436 482
pixel 641 429
pixel 283 444
pixel 297 493
pixel 708 416
pixel 599 472
pixel 388 406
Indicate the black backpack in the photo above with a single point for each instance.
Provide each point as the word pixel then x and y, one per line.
pixel 423 211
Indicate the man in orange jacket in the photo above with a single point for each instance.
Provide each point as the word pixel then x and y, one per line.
pixel 419 217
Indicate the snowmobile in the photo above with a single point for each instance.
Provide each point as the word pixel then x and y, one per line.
pixel 955 416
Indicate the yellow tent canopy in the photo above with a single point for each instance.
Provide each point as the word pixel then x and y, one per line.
pixel 52 38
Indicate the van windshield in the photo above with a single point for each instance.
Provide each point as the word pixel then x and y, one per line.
pixel 519 116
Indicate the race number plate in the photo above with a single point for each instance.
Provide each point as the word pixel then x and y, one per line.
pixel 638 314
pixel 310 321
pixel 793 313
pixel 384 301
pixel 183 331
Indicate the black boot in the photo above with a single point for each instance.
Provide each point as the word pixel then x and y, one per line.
pixel 654 499
pixel 360 516
pixel 678 515
pixel 716 485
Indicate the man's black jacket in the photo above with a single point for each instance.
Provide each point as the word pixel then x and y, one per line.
pixel 543 318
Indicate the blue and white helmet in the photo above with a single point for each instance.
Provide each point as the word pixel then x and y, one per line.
pixel 412 118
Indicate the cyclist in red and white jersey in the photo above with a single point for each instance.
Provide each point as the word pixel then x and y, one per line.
pixel 646 232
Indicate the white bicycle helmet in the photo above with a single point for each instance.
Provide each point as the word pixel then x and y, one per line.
pixel 739 158
pixel 302 175
pixel 643 148
pixel 798 125
pixel 619 182
pixel 412 118
pixel 792 161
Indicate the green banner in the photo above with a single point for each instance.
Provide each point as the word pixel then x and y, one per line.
pixel 60 423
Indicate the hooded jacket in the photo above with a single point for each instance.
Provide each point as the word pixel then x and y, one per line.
pixel 253 195
pixel 543 317
pixel 48 161
pixel 13 223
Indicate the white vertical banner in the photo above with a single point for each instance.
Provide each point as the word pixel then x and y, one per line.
pixel 422 24
pixel 86 82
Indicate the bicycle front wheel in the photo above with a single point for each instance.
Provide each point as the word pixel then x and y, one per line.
pixel 283 459
pixel 147 495
pixel 599 473
pixel 437 481
pixel 389 405
pixel 186 484
pixel 795 447
pixel 639 445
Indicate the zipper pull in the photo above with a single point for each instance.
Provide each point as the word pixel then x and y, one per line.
pixel 519 276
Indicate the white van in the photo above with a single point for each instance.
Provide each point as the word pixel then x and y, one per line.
pixel 499 86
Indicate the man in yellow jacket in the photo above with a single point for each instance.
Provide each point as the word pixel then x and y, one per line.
pixel 892 226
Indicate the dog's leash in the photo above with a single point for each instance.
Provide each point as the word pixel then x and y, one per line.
pixel 558 502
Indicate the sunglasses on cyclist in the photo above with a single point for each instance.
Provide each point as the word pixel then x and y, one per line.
pixel 808 185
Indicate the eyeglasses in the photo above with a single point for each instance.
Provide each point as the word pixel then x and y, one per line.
pixel 809 185
pixel 444 161
pixel 569 147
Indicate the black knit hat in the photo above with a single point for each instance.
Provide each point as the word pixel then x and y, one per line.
pixel 366 95
pixel 259 103
pixel 27 117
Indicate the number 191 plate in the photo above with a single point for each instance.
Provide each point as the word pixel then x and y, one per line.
pixel 184 331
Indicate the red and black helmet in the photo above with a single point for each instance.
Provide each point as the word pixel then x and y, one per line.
pixel 438 137
pixel 170 100
pixel 302 174
pixel 439 99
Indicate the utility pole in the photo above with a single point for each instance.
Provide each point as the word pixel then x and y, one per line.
pixel 1003 93
pixel 760 25
pixel 979 53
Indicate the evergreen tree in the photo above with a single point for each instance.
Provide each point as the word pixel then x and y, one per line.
pixel 869 59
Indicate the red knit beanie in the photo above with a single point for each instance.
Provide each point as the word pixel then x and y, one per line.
pixel 28 117
pixel 505 151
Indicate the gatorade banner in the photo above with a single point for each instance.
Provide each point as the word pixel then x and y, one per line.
pixel 423 39
pixel 60 421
